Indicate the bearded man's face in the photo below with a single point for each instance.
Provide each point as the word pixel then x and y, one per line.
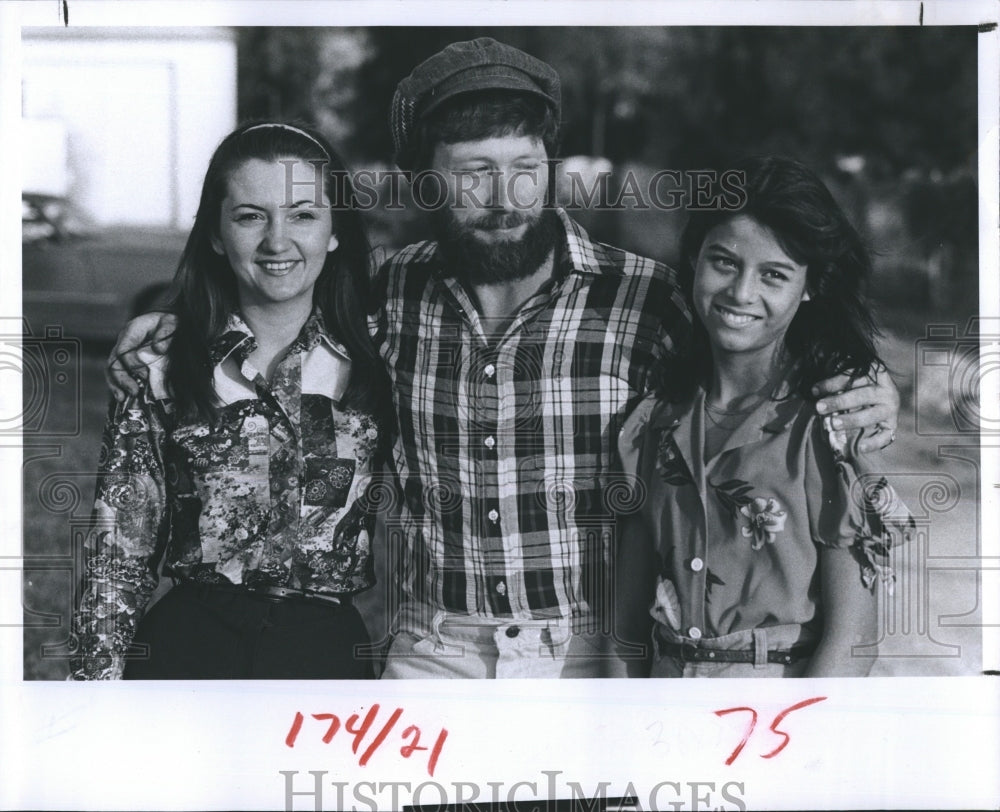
pixel 494 226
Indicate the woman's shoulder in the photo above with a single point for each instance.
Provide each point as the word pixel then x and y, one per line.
pixel 652 410
pixel 788 415
pixel 649 414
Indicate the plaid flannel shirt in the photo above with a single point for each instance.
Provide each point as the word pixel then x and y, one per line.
pixel 504 444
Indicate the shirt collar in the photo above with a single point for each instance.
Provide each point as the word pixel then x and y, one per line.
pixel 582 255
pixel 772 416
pixel 237 339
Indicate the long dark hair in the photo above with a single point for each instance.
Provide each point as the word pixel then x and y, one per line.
pixel 204 293
pixel 833 332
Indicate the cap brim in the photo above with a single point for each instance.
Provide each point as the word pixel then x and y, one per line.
pixel 499 80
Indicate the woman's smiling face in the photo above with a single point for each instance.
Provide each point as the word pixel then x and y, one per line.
pixel 746 288
pixel 276 246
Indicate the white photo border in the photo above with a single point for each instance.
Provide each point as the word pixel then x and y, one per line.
pixel 874 743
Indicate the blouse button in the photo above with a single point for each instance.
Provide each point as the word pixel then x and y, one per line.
pixel 494 516
pixel 697 565
pixel 694 633
pixel 489 442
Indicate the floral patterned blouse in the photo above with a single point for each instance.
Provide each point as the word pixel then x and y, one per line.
pixel 270 493
pixel 737 535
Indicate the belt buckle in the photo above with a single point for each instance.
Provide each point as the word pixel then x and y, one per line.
pixel 280 593
pixel 318 597
pixel 274 594
pixel 689 653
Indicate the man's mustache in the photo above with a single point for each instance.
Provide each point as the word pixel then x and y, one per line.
pixel 495 220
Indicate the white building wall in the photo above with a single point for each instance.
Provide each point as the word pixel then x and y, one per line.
pixel 141 113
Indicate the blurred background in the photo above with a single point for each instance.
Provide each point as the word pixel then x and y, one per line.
pixel 119 125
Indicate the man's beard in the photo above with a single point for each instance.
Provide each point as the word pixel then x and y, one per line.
pixel 488 263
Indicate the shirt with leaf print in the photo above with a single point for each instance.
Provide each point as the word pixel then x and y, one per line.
pixel 737 535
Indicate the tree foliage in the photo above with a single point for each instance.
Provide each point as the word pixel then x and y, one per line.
pixel 900 97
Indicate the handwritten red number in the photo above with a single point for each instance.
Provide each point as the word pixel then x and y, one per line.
pixel 294 732
pixel 746 736
pixel 408 750
pixel 359 728
pixel 334 724
pixel 774 726
pixel 381 736
pixel 436 751
pixel 359 732
pixel 781 716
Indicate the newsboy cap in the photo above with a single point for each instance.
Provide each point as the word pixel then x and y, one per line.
pixel 463 67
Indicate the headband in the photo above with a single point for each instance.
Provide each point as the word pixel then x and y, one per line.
pixel 292 129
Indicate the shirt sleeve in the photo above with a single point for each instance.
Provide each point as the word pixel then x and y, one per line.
pixel 127 534
pixel 848 510
pixel 632 435
pixel 380 262
pixel 672 332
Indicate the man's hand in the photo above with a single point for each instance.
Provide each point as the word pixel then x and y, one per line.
pixel 124 367
pixel 869 403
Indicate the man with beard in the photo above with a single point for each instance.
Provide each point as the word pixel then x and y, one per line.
pixel 515 346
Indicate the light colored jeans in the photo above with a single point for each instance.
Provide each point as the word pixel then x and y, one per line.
pixel 471 647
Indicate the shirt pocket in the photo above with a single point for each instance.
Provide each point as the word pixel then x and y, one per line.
pixel 328 481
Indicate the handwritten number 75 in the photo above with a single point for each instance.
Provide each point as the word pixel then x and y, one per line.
pixel 774 726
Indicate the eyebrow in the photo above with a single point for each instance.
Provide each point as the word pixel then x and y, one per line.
pixel 784 266
pixel 492 158
pixel 769 264
pixel 295 205
pixel 715 246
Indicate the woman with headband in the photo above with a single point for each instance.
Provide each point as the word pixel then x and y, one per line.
pixel 242 469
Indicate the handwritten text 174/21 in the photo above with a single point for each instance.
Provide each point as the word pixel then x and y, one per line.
pixel 358 728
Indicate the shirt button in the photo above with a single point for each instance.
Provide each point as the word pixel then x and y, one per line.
pixel 697 565
pixel 493 516
pixel 502 588
pixel 694 633
pixel 490 370
pixel 512 631
pixel 489 442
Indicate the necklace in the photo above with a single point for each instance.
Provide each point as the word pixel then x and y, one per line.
pixel 718 416
pixel 716 410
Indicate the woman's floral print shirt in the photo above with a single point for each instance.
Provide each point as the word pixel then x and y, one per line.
pixel 737 535
pixel 272 492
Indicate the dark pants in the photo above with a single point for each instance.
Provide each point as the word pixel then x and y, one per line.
pixel 197 632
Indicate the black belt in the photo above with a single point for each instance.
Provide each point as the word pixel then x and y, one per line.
pixel 274 594
pixel 685 652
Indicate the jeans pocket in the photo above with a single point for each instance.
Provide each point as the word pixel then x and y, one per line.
pixel 427 646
